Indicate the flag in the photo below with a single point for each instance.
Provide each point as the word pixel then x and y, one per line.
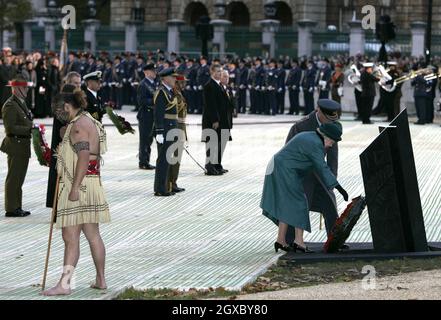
pixel 63 53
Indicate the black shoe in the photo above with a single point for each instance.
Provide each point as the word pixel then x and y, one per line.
pixel 295 247
pixel 212 171
pixel 167 194
pixel 419 123
pixel 177 189
pixel 344 247
pixel 146 167
pixel 368 122
pixel 221 169
pixel 278 246
pixel 17 213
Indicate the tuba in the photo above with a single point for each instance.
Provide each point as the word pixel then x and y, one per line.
pixel 384 77
pixel 354 78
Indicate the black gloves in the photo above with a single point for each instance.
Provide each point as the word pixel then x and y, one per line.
pixel 343 192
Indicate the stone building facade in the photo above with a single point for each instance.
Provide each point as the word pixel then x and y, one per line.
pixel 250 12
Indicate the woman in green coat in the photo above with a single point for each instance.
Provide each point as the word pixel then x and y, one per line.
pixel 283 198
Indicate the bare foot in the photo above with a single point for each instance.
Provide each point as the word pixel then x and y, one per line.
pixel 58 290
pixel 99 285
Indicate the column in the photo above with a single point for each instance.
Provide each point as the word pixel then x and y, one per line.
pixel 173 35
pixel 356 38
pixel 220 27
pixel 132 35
pixel 305 37
pixel 27 34
pixel 418 30
pixel 49 33
pixel 269 29
pixel 90 27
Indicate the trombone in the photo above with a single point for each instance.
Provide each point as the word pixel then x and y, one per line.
pixel 409 76
pixel 432 76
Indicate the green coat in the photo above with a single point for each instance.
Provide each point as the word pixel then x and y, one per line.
pixel 17 120
pixel 283 197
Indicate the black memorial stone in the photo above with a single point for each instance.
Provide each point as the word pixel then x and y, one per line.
pixel 392 192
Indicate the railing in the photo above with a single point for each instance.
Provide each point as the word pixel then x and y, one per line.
pixel 240 41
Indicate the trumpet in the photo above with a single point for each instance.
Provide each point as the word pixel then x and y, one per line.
pixel 354 78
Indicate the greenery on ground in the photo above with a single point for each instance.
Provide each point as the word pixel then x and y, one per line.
pixel 286 274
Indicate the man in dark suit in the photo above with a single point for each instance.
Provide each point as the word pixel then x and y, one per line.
pixel 216 122
pixel 17 120
pixel 94 104
pixel 146 92
pixel 319 198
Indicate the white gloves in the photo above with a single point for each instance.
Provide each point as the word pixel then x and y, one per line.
pixel 340 91
pixel 160 138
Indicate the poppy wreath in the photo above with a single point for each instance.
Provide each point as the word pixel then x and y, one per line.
pixel 344 225
pixel 120 123
pixel 41 148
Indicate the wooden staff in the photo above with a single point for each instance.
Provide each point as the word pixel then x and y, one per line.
pixel 54 212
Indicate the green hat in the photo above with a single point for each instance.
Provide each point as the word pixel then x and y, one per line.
pixel 332 130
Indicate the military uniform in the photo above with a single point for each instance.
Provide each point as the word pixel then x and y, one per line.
pixel 281 76
pixel 308 89
pixel 181 124
pixel 367 81
pixel 17 120
pixel 242 82
pixel 423 98
pixel 146 92
pixel 259 85
pixel 203 76
pixel 325 79
pixel 120 80
pixel 293 85
pixel 95 105
pixel 165 119
pixel 271 83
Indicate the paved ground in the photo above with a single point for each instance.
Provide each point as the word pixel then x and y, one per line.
pixel 410 286
pixel 212 235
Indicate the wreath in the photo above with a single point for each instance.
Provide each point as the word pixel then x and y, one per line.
pixel 120 123
pixel 41 148
pixel 344 225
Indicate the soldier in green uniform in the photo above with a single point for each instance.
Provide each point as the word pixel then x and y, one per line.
pixel 182 114
pixel 17 120
pixel 165 119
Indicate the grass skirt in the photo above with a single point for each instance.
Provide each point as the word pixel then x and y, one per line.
pixel 91 207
